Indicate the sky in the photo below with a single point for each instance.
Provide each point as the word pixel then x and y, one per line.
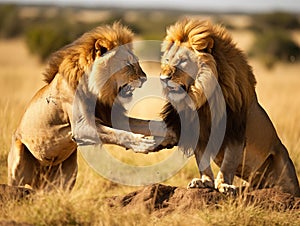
pixel 201 5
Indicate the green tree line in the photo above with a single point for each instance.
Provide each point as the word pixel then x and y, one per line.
pixel 46 34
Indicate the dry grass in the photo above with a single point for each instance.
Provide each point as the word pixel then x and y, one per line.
pixel 20 77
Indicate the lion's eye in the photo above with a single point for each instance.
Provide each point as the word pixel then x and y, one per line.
pixel 103 50
pixel 128 64
pixel 184 60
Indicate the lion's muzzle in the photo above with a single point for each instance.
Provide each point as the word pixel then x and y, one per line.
pixel 172 86
pixel 126 90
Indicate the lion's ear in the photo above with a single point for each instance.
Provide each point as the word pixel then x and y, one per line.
pixel 99 49
pixel 205 45
pixel 210 45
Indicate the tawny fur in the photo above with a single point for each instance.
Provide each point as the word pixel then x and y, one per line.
pixel 75 59
pixel 251 148
pixel 44 151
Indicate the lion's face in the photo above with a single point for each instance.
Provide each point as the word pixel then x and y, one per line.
pixel 188 67
pixel 130 76
pixel 116 72
pixel 185 75
pixel 102 62
pixel 179 67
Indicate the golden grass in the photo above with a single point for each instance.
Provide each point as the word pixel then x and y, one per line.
pixel 20 77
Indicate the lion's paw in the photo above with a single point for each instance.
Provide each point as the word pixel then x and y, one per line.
pixel 141 144
pixel 227 189
pixel 201 183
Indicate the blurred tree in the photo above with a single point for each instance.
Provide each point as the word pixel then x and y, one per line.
pixel 45 38
pixel 10 22
pixel 275 45
pixel 277 20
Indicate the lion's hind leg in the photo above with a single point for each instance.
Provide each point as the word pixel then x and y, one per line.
pixel 277 171
pixel 61 176
pixel 284 167
pixel 25 169
pixel 22 165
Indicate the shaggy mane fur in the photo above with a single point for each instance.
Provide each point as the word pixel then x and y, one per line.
pixel 250 147
pixel 75 59
pixel 213 46
pixel 228 63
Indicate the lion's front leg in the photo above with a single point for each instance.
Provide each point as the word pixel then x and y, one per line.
pixel 232 159
pixel 148 127
pixel 137 142
pixel 84 132
pixel 165 137
pixel 106 135
pixel 207 177
pixel 87 133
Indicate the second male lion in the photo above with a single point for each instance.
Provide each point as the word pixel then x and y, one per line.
pixel 84 80
pixel 196 54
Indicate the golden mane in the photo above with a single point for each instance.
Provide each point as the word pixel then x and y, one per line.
pixel 249 147
pixel 228 63
pixel 73 60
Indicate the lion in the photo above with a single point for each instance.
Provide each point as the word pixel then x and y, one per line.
pixel 85 79
pixel 200 61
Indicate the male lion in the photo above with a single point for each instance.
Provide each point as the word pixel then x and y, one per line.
pixel 84 80
pixel 196 54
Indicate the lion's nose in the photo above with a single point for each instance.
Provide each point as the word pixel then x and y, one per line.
pixel 165 78
pixel 142 80
pixel 167 72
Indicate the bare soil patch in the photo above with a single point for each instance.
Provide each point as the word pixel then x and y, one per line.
pixel 162 199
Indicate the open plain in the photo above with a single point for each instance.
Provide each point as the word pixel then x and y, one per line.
pixel 98 201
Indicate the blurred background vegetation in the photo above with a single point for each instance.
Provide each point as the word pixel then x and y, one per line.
pixel 48 28
pixel 273 38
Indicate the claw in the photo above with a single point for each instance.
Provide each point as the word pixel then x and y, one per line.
pixel 227 189
pixel 142 144
pixel 200 183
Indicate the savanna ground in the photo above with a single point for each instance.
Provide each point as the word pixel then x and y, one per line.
pixel 93 200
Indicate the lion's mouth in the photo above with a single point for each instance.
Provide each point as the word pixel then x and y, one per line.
pixel 126 91
pixel 178 89
pixel 173 87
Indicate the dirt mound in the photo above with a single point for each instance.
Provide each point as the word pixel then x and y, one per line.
pixel 165 199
